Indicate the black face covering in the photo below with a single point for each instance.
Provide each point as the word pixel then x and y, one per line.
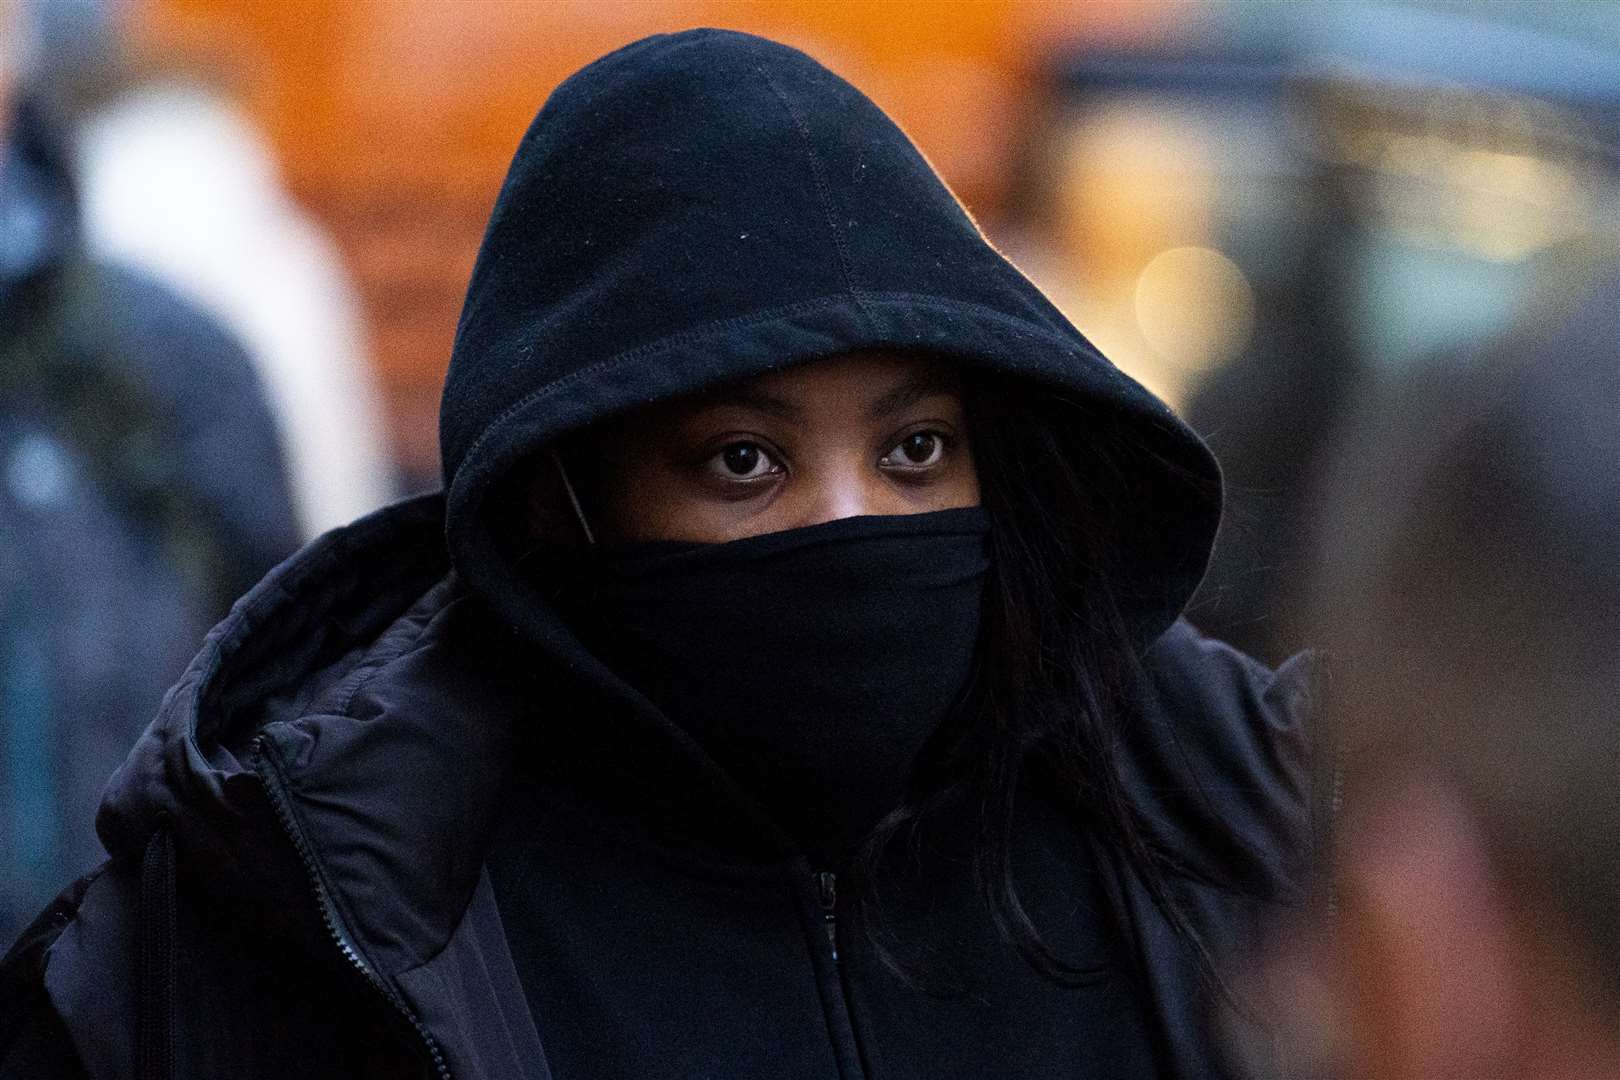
pixel 811 664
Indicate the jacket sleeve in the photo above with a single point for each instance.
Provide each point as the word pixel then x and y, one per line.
pixel 1219 761
pixel 1226 765
pixel 33 1043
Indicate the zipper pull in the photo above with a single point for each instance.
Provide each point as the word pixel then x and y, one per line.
pixel 827 892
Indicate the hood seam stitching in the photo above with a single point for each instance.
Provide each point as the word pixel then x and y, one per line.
pixel 823 189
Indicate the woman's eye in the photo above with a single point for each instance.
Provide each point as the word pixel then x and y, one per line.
pixel 919 450
pixel 743 461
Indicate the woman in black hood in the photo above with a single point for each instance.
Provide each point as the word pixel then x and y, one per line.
pixel 802 693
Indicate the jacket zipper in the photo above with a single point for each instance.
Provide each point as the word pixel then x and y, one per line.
pixel 270 773
pixel 827 896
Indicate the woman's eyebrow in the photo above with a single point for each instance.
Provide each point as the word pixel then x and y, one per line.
pixel 913 390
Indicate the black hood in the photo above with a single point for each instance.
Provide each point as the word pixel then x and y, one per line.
pixel 704 206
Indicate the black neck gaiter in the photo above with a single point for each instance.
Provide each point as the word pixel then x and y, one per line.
pixel 811 664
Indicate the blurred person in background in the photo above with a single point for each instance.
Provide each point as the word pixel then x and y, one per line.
pixel 788 683
pixel 141 490
pixel 1473 631
pixel 176 179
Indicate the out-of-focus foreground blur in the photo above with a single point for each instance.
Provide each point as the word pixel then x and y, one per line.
pixel 234 238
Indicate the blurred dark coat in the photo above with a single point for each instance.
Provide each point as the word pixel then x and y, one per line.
pixel 141 490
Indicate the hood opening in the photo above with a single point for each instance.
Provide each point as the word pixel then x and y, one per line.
pixel 1118 503
pixel 707 206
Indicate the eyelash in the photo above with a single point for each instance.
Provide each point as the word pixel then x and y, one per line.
pixel 903 472
pixel 944 439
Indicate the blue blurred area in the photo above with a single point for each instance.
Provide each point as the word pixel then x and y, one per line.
pixel 142 489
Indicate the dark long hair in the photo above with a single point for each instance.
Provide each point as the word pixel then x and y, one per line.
pixel 1057 671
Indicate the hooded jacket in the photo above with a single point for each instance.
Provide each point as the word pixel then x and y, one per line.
pixel 300 878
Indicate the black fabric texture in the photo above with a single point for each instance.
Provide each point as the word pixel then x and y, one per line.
pixel 735 643
pixel 641 958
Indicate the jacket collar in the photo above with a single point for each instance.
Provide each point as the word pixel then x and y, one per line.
pixel 290 691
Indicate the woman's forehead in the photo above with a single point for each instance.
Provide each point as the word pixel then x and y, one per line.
pixel 873 383
pixel 852 387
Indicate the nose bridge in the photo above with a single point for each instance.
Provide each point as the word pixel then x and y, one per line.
pixel 844 488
